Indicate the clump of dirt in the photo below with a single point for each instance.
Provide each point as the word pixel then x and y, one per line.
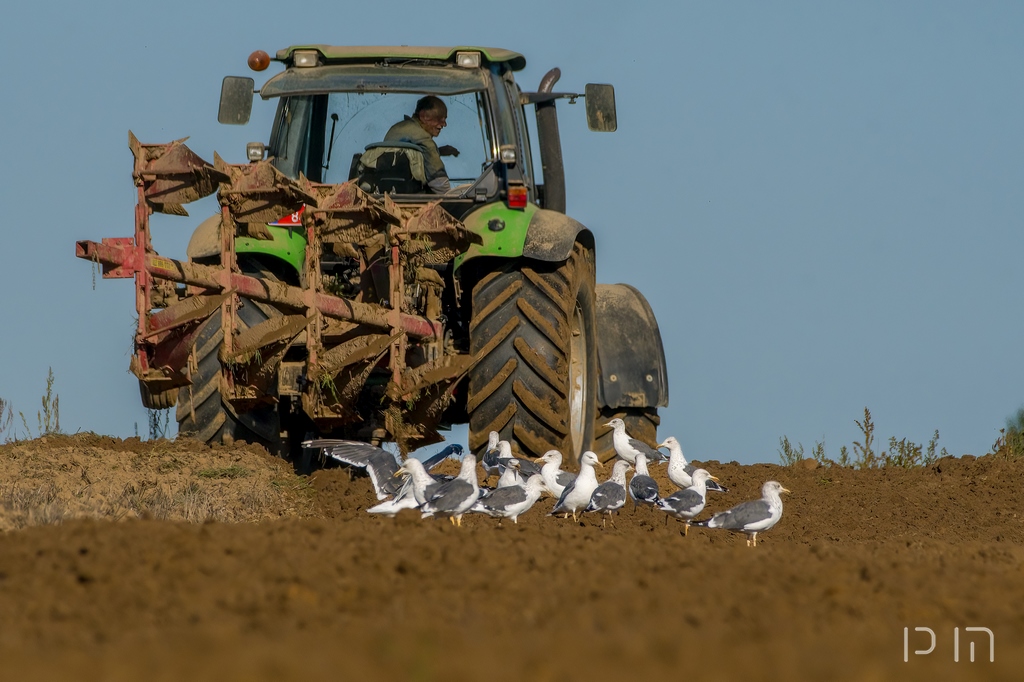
pixel 59 478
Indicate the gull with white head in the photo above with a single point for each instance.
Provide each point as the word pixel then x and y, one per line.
pixel 576 496
pixel 489 457
pixel 628 447
pixel 642 488
pixel 753 517
pixel 512 501
pixel 686 503
pixel 551 471
pixel 455 497
pixel 680 472
pixel 510 473
pixel 610 496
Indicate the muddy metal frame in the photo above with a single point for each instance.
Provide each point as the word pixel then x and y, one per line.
pixel 168 175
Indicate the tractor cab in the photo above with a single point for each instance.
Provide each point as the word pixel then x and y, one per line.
pixel 336 106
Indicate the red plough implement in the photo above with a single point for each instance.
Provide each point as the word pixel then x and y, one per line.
pixel 391 329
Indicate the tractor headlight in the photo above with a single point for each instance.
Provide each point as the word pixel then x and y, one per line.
pixel 467 60
pixel 255 151
pixel 508 154
pixel 305 58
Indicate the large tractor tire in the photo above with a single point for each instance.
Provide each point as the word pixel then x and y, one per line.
pixel 641 423
pixel 536 382
pixel 201 411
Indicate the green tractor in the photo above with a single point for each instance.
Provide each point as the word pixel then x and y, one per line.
pixel 347 288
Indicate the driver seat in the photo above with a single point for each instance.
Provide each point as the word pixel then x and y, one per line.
pixel 390 167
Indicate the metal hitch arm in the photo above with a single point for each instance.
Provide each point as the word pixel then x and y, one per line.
pixel 122 258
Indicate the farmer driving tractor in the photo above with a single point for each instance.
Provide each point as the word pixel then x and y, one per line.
pixel 426 123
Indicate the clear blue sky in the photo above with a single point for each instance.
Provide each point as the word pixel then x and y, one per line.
pixel 822 201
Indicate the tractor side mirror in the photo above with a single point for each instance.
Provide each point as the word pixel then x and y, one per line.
pixel 601 108
pixel 235 100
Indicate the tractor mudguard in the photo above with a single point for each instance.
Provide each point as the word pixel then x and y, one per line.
pixel 532 232
pixel 629 350
pixel 551 235
pixel 287 244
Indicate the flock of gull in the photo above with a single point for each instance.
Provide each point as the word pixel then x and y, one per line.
pixel 522 482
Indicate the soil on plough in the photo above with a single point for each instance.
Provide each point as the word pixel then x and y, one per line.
pixel 124 560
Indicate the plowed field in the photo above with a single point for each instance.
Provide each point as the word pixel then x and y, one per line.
pixel 122 560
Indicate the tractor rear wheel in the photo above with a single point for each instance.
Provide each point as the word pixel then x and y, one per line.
pixel 201 411
pixel 536 382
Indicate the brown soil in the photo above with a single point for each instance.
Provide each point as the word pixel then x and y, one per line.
pixel 295 581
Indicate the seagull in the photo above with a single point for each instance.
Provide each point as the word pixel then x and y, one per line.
pixel 407 497
pixel 751 517
pixel 642 488
pixel 610 496
pixel 554 478
pixel 526 467
pixel 489 459
pixel 393 506
pixel 628 447
pixel 380 464
pixel 576 495
pixel 453 498
pixel 509 473
pixel 421 484
pixel 681 473
pixel 511 501
pixel 687 503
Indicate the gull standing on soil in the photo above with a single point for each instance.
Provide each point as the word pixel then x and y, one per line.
pixel 511 501
pixel 628 447
pixel 525 469
pixel 576 495
pixel 642 488
pixel 554 478
pixel 751 517
pixel 455 497
pixel 380 464
pixel 688 502
pixel 489 459
pixel 418 485
pixel 421 483
pixel 681 473
pixel 509 474
pixel 610 496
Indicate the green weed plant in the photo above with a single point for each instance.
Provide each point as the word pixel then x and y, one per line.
pixel 1010 443
pixel 48 418
pixel 902 453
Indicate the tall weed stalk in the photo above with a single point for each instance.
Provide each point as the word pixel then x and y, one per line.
pixel 902 452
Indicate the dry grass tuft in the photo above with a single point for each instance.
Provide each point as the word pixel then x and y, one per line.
pixel 59 478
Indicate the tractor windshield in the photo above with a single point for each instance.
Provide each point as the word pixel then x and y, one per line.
pixel 326 135
pixel 365 119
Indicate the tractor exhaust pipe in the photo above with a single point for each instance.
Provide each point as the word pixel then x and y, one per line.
pixel 547 83
pixel 550 145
